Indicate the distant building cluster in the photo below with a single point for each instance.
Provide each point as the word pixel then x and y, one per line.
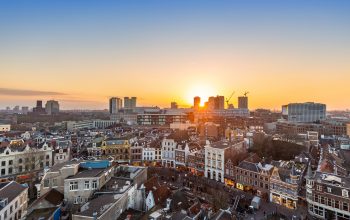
pixel 202 163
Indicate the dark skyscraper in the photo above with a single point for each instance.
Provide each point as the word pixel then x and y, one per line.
pixel 196 102
pixel 243 102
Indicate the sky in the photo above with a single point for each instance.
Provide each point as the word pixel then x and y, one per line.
pixel 83 52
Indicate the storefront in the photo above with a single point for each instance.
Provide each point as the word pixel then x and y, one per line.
pixel 284 201
pixel 229 182
pixel 240 186
pixel 181 168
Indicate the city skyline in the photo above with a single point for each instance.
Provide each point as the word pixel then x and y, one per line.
pixel 83 53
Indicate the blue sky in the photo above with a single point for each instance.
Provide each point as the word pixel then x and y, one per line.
pixel 71 46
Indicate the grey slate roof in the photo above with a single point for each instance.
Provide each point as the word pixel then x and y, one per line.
pixel 11 190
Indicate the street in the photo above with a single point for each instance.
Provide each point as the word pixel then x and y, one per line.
pixel 208 189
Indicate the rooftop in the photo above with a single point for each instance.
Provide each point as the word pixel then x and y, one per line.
pixel 58 167
pixel 332 179
pixel 98 205
pixel 224 144
pixel 11 190
pixel 89 173
pixel 116 185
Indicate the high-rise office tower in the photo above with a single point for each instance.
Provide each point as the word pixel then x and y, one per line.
pixel 39 104
pixel 52 107
pixel 196 102
pixel 211 103
pixel 133 102
pixel 39 107
pixel 243 102
pixel 114 105
pixel 219 102
pixel 129 103
pixel 173 105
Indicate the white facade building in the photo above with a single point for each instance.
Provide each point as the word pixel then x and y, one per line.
pixel 148 154
pixel 19 157
pixel 168 152
pixel 13 200
pixel 215 158
pixel 52 107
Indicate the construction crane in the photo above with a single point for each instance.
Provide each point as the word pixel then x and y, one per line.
pixel 245 94
pixel 228 99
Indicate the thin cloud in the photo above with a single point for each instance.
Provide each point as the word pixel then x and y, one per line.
pixel 24 92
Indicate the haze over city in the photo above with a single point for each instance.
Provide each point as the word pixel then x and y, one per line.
pixel 83 52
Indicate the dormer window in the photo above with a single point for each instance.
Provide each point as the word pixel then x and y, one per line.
pixel 329 189
pixel 345 193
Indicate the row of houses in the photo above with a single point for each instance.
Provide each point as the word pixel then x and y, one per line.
pixel 89 190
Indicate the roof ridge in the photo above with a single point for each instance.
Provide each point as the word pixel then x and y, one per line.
pixel 6 185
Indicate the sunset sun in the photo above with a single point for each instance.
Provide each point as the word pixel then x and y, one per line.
pixel 201 90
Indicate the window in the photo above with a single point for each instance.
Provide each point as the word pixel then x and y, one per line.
pixel 322 200
pixel 47 157
pixel 16 204
pixel 329 202
pixel 87 185
pixel 3 172
pixel 77 200
pixel 20 160
pixel 11 209
pixel 73 186
pixel 345 193
pixel 345 206
pixel 319 188
pixel 10 170
pixel 54 182
pixel 46 183
pixel 3 163
pixel 329 189
pixel 10 162
pixel 94 184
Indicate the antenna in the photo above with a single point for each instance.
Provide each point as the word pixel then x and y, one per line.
pixel 246 93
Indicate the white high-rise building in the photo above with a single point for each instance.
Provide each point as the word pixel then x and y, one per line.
pixel 129 102
pixel 114 105
pixel 52 107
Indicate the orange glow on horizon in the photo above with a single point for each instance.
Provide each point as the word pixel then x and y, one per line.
pixel 202 90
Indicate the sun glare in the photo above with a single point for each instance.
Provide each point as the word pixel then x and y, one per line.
pixel 203 91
